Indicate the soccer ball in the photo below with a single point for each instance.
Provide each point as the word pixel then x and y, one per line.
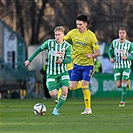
pixel 39 109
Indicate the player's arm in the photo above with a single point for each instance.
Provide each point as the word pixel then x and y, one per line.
pixel 95 46
pixel 111 53
pixel 96 50
pixel 94 55
pixel 68 56
pixel 130 56
pixel 67 59
pixel 36 52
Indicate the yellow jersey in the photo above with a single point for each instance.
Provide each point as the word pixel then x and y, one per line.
pixel 82 44
pixel 70 66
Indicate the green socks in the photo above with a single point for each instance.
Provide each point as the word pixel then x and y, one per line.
pixel 124 91
pixel 61 101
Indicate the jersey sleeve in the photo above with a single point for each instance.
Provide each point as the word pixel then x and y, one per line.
pixel 95 43
pixel 111 51
pixel 131 48
pixel 68 56
pixel 70 65
pixel 67 37
pixel 36 52
pixel 130 57
pixel 44 46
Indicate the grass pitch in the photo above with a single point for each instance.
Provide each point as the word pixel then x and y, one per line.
pixel 16 116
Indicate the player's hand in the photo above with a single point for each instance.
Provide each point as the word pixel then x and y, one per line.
pixel 88 56
pixel 112 60
pixel 124 57
pixel 27 63
pixel 59 61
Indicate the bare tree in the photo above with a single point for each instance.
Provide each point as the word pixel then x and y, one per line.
pixel 36 19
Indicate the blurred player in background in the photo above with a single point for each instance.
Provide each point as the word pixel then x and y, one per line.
pixel 121 54
pixel 85 49
pixel 59 54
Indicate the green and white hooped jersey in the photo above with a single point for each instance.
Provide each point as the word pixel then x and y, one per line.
pixel 56 51
pixel 121 49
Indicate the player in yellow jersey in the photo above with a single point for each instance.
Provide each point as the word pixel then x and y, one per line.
pixel 85 49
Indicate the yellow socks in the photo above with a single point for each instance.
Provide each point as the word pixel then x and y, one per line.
pixel 59 93
pixel 86 93
pixel 79 86
pixel 87 96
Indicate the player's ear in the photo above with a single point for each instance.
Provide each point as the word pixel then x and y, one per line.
pixel 86 24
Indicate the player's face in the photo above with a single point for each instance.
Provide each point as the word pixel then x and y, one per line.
pixel 122 34
pixel 59 35
pixel 81 26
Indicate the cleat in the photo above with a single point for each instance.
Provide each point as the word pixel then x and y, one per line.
pixel 87 111
pixel 55 101
pixel 55 112
pixel 122 104
pixel 128 85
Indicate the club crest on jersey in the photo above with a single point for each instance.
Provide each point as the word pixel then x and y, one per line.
pixel 86 39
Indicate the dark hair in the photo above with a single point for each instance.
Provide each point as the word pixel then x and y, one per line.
pixel 122 28
pixel 82 18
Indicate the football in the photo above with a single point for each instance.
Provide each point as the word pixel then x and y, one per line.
pixel 39 109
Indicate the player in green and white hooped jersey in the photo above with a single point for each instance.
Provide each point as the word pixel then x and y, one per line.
pixel 121 54
pixel 59 54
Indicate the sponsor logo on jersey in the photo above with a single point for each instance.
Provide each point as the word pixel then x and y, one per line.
pixel 120 51
pixel 56 53
pixel 81 43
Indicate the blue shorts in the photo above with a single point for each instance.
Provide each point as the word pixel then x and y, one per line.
pixel 81 73
pixel 69 72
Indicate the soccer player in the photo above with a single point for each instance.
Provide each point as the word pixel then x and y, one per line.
pixel 121 54
pixel 79 85
pixel 85 49
pixel 59 54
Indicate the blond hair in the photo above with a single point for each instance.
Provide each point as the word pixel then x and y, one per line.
pixel 59 28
